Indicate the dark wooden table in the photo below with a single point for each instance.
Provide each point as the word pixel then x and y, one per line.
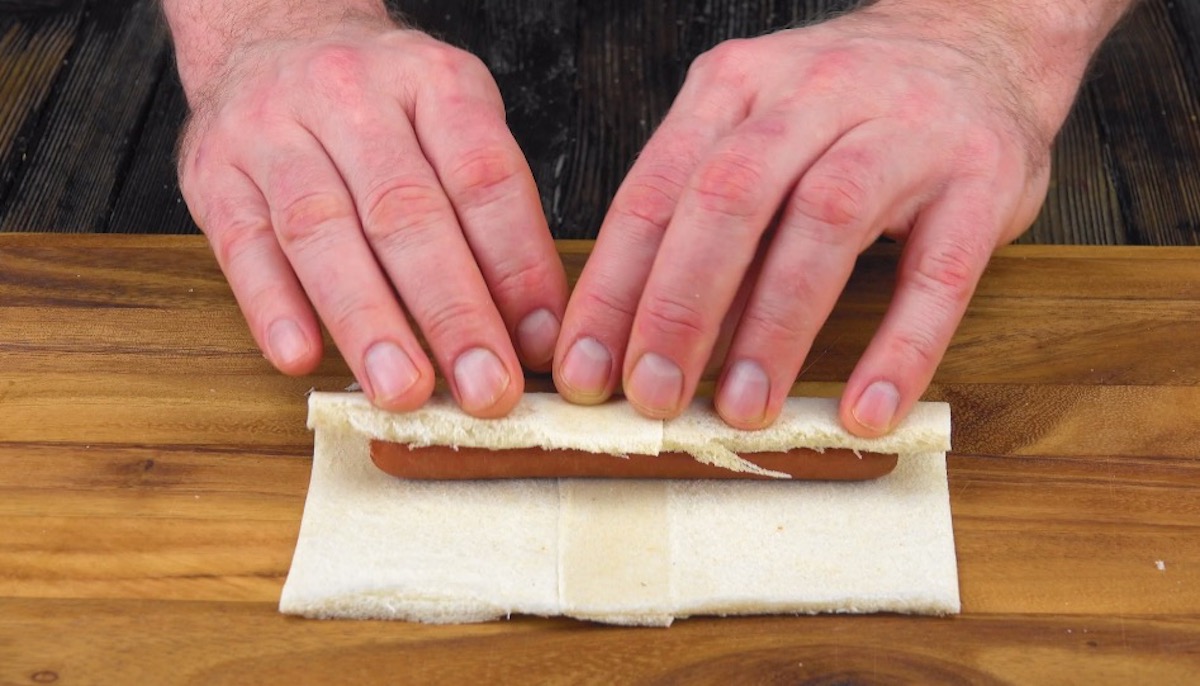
pixel 90 108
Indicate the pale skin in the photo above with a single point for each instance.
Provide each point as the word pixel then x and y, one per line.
pixel 349 169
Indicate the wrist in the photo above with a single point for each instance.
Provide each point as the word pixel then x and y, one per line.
pixel 1041 47
pixel 209 34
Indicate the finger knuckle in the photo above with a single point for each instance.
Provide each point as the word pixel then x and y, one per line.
pixel 520 277
pixel 948 272
pixel 727 62
pixel 835 201
pixel 801 287
pixel 672 317
pixel 603 305
pixel 235 237
pixel 396 212
pixel 193 192
pixel 650 198
pixel 915 348
pixel 731 185
pixel 449 64
pixel 207 148
pixel 485 175
pixel 307 218
pixel 832 69
pixel 447 320
pixel 351 312
pixel 774 321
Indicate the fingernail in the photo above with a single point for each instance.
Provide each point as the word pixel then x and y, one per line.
pixel 586 368
pixel 655 384
pixel 877 406
pixel 537 334
pixel 390 370
pixel 481 379
pixel 743 395
pixel 288 344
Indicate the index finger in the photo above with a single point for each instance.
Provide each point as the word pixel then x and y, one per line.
pixel 710 243
pixel 415 235
pixel 599 317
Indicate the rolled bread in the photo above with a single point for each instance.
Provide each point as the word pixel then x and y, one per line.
pixel 545 420
pixel 631 552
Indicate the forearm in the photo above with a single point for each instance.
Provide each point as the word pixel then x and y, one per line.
pixel 207 32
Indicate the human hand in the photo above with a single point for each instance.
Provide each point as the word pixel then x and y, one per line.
pixel 882 122
pixel 366 172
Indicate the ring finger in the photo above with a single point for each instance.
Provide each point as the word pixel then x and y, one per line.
pixel 840 205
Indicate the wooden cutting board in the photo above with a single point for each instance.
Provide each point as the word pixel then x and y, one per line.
pixel 153 469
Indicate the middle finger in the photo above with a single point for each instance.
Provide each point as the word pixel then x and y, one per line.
pixel 710 242
pixel 595 329
pixel 414 232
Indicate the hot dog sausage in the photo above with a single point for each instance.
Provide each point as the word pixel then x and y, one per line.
pixel 444 463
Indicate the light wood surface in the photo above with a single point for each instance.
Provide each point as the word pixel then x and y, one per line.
pixel 153 469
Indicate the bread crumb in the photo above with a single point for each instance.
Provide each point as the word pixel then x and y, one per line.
pixel 1161 565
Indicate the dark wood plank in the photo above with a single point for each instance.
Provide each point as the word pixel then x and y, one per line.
pixel 149 200
pixel 1148 109
pixel 81 145
pixel 1185 19
pixel 33 48
pixel 1081 206
pixel 585 85
pixel 31 7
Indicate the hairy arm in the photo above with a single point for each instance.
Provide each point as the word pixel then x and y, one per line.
pixel 207 33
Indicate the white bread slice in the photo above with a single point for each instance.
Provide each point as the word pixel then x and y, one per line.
pixel 375 547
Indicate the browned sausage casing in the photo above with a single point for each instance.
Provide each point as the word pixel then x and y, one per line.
pixel 443 463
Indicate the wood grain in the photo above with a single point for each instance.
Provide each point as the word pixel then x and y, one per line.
pixel 153 471
pixel 35 6
pixel 246 643
pixel 1082 206
pixel 32 53
pixel 149 199
pixel 1143 78
pixel 82 143
pixel 585 84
